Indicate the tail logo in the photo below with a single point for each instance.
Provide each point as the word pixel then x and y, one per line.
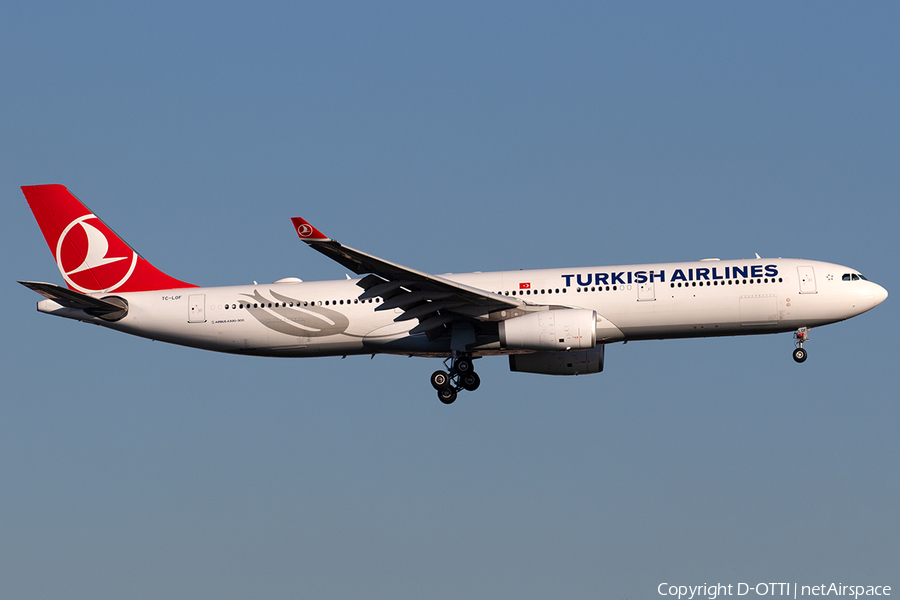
pixel 86 259
pixel 305 230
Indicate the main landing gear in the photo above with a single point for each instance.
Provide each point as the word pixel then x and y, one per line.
pixel 461 377
pixel 800 337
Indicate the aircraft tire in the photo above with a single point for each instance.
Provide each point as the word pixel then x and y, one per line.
pixel 463 365
pixel 799 355
pixel 440 380
pixel 470 381
pixel 447 395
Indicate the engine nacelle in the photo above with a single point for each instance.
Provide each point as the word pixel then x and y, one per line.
pixel 581 362
pixel 562 329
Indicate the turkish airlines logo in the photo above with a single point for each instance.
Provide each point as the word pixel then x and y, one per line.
pixel 525 286
pixel 305 230
pixel 88 253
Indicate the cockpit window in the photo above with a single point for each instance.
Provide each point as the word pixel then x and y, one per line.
pixel 862 277
pixel 853 277
pixel 846 277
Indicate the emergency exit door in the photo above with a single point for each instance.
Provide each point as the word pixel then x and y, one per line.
pixel 646 291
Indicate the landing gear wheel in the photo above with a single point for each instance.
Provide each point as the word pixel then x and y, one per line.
pixel 799 355
pixel 447 395
pixel 470 381
pixel 463 365
pixel 440 380
pixel 461 376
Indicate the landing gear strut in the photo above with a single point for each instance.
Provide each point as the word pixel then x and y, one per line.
pixel 461 377
pixel 800 337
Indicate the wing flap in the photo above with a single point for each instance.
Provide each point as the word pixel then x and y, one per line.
pixel 409 299
pixel 432 324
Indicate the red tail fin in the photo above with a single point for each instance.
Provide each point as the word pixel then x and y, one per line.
pixel 90 256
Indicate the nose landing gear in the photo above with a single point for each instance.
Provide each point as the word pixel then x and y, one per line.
pixel 800 337
pixel 461 377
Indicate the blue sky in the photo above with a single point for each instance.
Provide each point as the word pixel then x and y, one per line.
pixel 449 138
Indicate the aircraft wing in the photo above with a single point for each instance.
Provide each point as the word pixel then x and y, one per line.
pixel 96 307
pixel 433 300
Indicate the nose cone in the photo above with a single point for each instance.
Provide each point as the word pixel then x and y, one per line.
pixel 879 294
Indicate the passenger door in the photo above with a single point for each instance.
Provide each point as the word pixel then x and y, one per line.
pixel 197 303
pixel 807 280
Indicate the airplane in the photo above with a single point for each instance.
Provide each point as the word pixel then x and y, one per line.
pixel 547 321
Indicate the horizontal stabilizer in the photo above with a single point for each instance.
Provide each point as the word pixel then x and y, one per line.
pixel 110 309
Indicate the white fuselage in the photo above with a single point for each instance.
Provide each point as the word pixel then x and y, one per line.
pixel 654 301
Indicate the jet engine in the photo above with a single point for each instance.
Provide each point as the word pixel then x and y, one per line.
pixel 563 329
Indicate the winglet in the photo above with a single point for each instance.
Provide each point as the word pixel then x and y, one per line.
pixel 307 232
